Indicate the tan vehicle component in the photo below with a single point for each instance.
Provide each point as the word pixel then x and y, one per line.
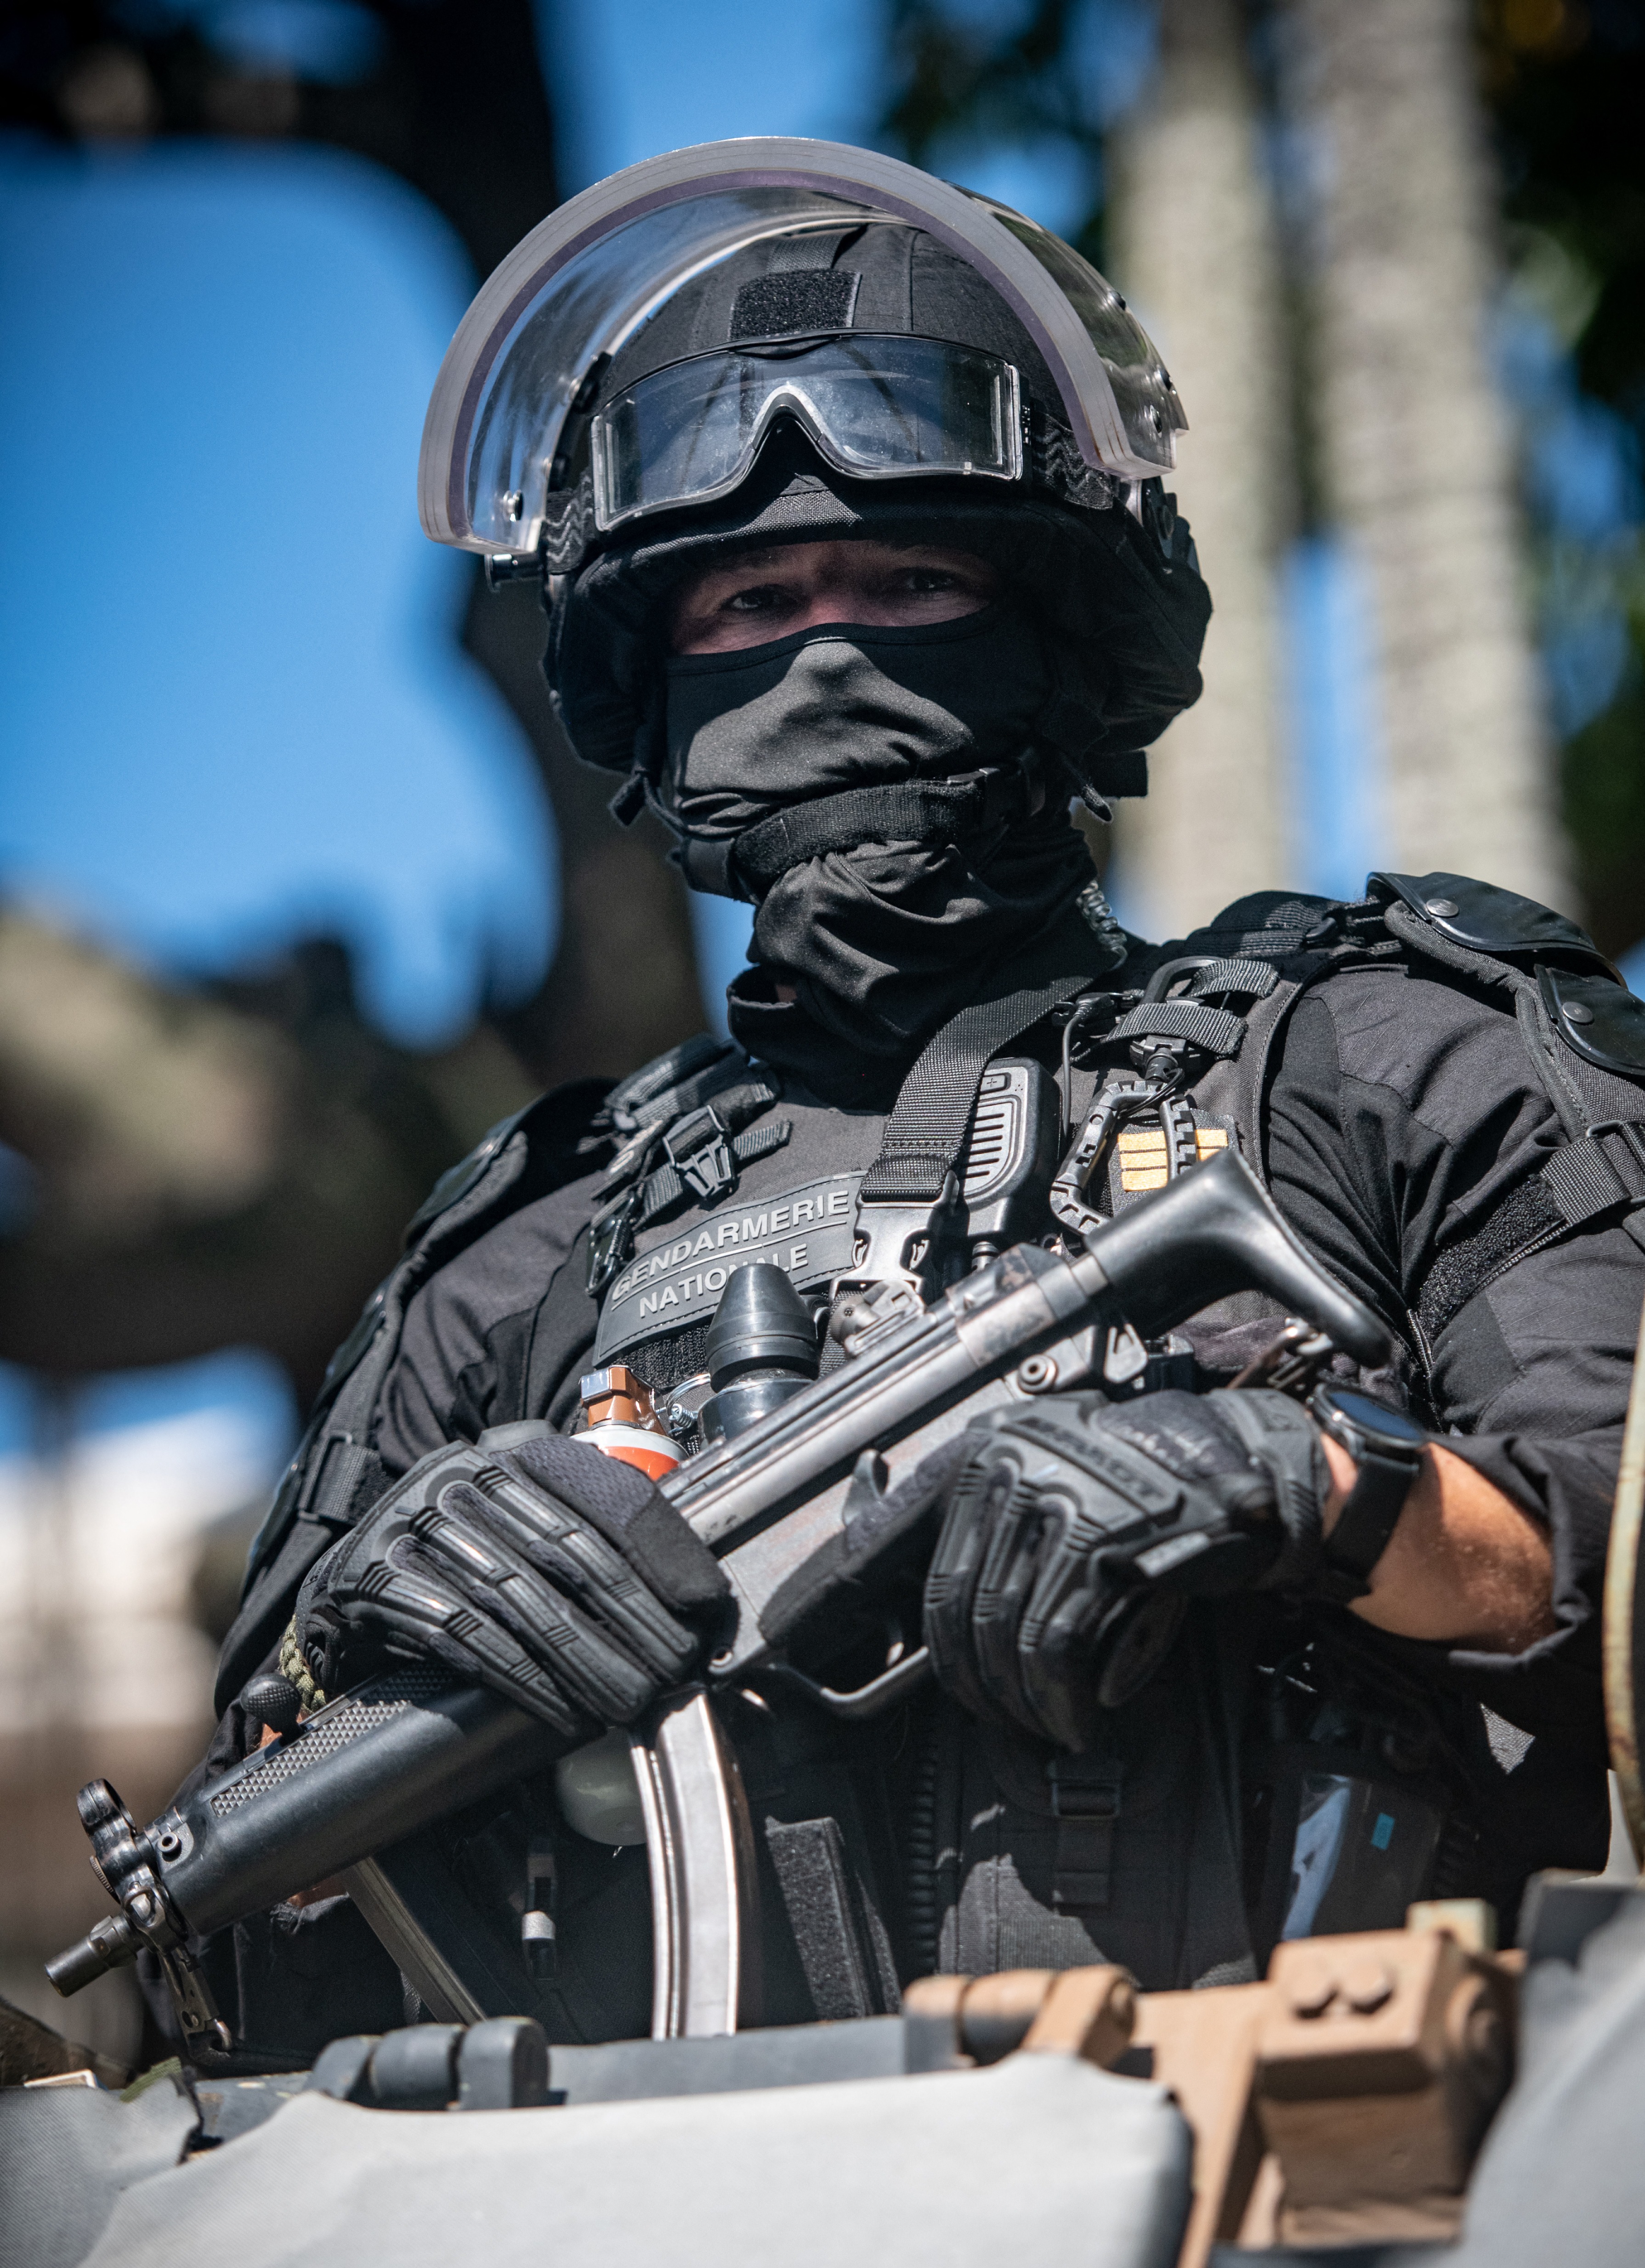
pixel 1343 2101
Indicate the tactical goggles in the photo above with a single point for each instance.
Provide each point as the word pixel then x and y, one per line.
pixel 876 409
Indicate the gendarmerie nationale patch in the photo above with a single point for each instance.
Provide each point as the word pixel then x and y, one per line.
pixel 677 1278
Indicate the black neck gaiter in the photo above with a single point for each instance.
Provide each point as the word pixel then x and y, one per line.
pixel 885 941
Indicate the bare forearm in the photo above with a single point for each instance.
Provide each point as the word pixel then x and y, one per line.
pixel 1464 1565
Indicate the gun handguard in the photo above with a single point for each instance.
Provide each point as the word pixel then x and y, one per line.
pixel 404 1749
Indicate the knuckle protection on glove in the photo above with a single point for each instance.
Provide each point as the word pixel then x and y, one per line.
pixel 1059 1665
pixel 1181 1432
pixel 575 1605
pixel 1014 1518
pixel 631 1512
pixel 1075 1531
pixel 537 1578
pixel 532 1530
pixel 951 1584
pixel 394 1607
pixel 1131 1484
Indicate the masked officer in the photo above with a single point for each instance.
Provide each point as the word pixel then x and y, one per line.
pixel 845 492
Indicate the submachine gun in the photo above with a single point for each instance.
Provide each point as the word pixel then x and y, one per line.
pixel 790 1498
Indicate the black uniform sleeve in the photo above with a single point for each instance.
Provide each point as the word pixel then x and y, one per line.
pixel 1403 1111
pixel 499 1333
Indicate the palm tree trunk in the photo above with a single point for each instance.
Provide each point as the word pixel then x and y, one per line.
pixel 1416 448
pixel 1194 246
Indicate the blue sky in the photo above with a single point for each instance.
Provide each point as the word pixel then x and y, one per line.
pixel 634 77
pixel 235 708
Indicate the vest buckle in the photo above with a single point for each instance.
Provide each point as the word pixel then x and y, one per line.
pixel 611 1240
pixel 698 1148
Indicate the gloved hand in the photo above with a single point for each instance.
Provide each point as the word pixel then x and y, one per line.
pixel 1077 1529
pixel 558 1577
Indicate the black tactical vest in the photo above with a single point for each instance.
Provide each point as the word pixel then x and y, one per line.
pixel 928 1842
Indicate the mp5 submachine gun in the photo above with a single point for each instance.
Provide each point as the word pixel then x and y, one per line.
pixel 789 1505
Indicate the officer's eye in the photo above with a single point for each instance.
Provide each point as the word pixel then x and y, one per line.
pixel 758 598
pixel 923 582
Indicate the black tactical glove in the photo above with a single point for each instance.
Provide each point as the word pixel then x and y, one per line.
pixel 1076 1529
pixel 560 1578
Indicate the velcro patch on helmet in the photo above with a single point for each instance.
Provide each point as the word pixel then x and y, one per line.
pixel 799 301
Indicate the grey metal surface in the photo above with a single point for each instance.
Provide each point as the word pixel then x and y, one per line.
pixel 789 2055
pixel 1039 2158
pixel 701 1861
pixel 1562 2175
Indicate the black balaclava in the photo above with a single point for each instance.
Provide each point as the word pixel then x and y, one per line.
pixel 883 937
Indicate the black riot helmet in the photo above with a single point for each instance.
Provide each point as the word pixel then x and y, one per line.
pixel 775 342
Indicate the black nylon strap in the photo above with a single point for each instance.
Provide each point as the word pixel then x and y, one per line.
pixel 612 1236
pixel 926 1134
pixel 737 1099
pixel 1214 1029
pixel 654 1080
pixel 1257 978
pixel 908 811
pixel 349 1475
pixel 1085 1798
pixel 1605 1168
pixel 1363 1527
pixel 724 1079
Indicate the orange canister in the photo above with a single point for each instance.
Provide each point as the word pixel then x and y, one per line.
pixel 622 1422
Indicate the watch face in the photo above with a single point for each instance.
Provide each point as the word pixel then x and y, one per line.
pixel 1372 1418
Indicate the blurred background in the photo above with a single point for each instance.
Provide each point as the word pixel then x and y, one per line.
pixel 300 890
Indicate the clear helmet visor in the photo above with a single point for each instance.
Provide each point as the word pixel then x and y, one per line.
pixel 584 280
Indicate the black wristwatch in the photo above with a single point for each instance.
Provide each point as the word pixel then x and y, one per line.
pixel 1387 1447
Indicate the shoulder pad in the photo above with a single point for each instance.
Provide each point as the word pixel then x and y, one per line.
pixel 1600 1019
pixel 456 1182
pixel 573 1107
pixel 1485 919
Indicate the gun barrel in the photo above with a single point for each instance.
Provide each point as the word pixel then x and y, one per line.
pixel 368 1769
pixel 106 1945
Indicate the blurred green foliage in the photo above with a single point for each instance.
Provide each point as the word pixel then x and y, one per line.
pixel 1602 779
